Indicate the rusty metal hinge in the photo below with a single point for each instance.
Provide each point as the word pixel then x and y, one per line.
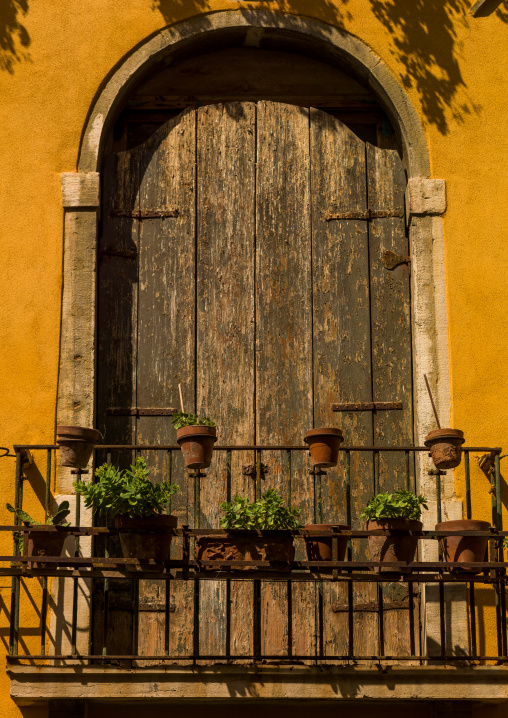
pixel 134 411
pixel 369 406
pixel 145 213
pixel 391 260
pixel 371 607
pixel 366 214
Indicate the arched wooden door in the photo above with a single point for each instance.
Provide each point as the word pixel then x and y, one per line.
pixel 241 255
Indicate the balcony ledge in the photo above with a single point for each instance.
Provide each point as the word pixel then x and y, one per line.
pixel 215 683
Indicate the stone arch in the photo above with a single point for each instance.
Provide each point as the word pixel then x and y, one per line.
pixel 425 199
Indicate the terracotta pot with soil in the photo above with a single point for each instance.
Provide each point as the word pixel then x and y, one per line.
pixel 464 549
pixel 445 446
pixel 247 546
pixel 154 541
pixel 324 446
pixel 45 541
pixel 320 548
pixel 76 445
pixel 197 443
pixel 393 548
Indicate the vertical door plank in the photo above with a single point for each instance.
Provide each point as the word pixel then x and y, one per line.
pixel 284 338
pixel 225 331
pixel 391 344
pixel 116 376
pixel 166 332
pixel 342 349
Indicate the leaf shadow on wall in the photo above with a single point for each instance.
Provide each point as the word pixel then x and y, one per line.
pixel 424 38
pixel 14 37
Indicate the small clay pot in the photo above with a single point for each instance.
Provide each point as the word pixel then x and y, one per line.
pixel 445 446
pixel 324 446
pixel 464 549
pixel 154 542
pixel 320 548
pixel 197 443
pixel 76 445
pixel 247 546
pixel 393 548
pixel 45 541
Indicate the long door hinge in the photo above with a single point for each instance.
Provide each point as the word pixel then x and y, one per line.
pixel 365 214
pixel 369 406
pixel 135 411
pixel 145 213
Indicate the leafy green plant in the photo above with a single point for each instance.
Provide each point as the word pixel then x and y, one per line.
pixel 268 512
pixel 128 492
pixel 62 512
pixel 402 504
pixel 180 420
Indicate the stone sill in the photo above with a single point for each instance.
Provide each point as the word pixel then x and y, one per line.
pixel 33 684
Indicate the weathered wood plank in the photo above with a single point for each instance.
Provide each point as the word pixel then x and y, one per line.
pixel 166 317
pixel 341 337
pixel 116 360
pixel 225 326
pixel 284 335
pixel 391 343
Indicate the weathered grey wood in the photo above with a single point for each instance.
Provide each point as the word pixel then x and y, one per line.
pixel 225 327
pixel 390 314
pixel 342 351
pixel 116 360
pixel 284 388
pixel 391 344
pixel 166 321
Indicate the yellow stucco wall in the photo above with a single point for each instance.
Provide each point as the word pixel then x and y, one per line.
pixel 54 56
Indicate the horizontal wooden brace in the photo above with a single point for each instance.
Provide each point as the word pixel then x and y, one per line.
pixel 134 411
pixel 365 214
pixel 145 213
pixel 369 406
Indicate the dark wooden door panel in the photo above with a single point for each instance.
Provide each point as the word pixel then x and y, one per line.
pixel 240 286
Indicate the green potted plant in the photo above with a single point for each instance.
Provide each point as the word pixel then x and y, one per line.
pixel 249 530
pixel 43 539
pixel 135 503
pixel 399 511
pixel 196 436
pixel 324 446
pixel 76 444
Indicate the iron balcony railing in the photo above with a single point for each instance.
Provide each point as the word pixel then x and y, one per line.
pixel 349 575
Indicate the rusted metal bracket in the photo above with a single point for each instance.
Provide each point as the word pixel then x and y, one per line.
pixel 368 406
pixel 391 260
pixel 317 472
pixel 135 411
pixel 145 213
pixel 371 607
pixel 251 470
pixel 366 214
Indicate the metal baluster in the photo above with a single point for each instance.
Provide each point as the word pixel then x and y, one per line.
pixel 468 484
pixel 167 586
pixel 495 490
pixel 257 583
pixel 442 623
pixel 197 509
pixel 289 584
pixel 472 619
pixel 381 624
pixel 228 582
pixel 75 580
pixel 376 472
pixel 16 583
pixel 350 557
pixel 44 601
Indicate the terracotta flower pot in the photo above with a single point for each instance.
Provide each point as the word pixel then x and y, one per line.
pixel 324 446
pixel 45 541
pixel 321 548
pixel 247 546
pixel 197 445
pixel 76 445
pixel 393 548
pixel 155 544
pixel 464 548
pixel 445 446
